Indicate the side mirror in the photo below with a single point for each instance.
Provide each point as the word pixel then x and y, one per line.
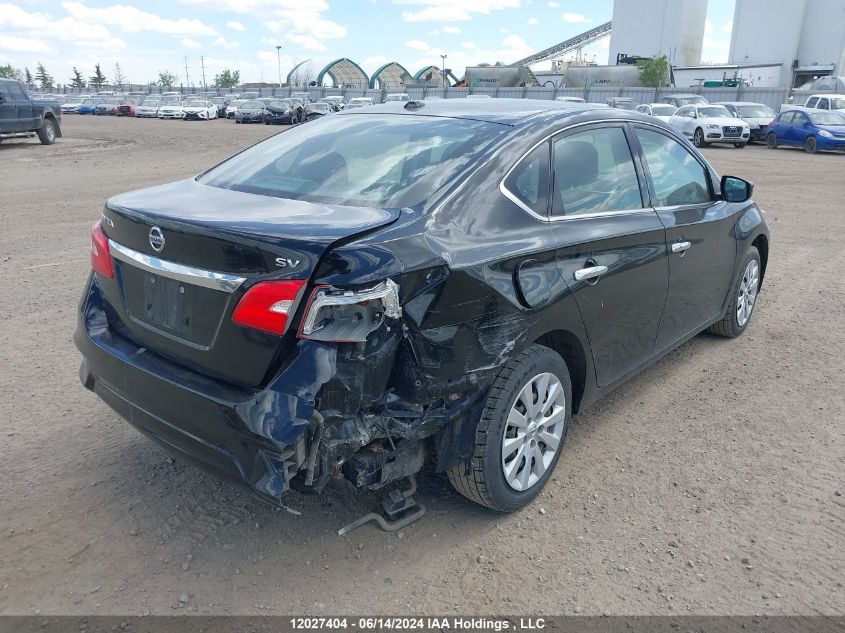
pixel 735 189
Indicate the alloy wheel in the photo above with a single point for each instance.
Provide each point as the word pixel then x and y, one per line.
pixel 698 138
pixel 747 293
pixel 534 431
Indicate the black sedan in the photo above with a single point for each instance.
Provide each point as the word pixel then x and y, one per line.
pixel 250 112
pixel 280 112
pixel 452 279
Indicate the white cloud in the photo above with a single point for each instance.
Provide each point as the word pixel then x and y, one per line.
pixel 224 43
pixel 554 5
pixel 133 20
pixel 451 10
pixel 727 27
pixel 469 45
pixel 306 41
pixel 533 21
pixel 708 27
pixel 22 44
pixel 513 47
pixel 575 18
pixel 235 26
pixel 418 45
pixel 452 30
pixel 189 43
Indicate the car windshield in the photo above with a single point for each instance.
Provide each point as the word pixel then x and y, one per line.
pixel 756 112
pixel 280 103
pixel 251 105
pixel 694 100
pixel 218 100
pixel 713 111
pixel 152 102
pixel 375 161
pixel 827 118
pixel 236 103
pixel 663 110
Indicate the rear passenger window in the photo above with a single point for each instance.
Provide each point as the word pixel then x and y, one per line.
pixel 678 178
pixel 529 181
pixel 594 172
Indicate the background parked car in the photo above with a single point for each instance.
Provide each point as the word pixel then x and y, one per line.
pixel 317 110
pixel 359 102
pixel 819 102
pixel 247 96
pixel 250 112
pixel 681 100
pixel 125 107
pixel 337 103
pixel 71 106
pixel 706 124
pixel 279 112
pixel 758 116
pixel 199 110
pixel 221 103
pixel 149 107
pixel 232 107
pixel 304 97
pixel 397 96
pixel 570 99
pixel 813 130
pixel 88 105
pixel 106 106
pixel 662 111
pixel 172 110
pixel 622 103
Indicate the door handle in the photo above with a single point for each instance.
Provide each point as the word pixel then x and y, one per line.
pixel 590 273
pixel 680 247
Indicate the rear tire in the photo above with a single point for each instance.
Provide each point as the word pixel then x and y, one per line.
pixel 810 145
pixel 747 288
pixel 771 140
pixel 535 432
pixel 47 132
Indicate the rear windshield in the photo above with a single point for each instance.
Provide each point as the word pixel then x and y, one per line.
pixel 375 161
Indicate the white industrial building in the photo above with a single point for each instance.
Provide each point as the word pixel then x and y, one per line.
pixel 807 37
pixel 651 28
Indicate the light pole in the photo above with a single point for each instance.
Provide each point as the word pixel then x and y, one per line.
pixel 279 60
pixel 443 72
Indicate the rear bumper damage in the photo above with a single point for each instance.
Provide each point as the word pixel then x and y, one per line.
pixel 330 412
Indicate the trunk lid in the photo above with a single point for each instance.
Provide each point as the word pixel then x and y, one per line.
pixel 184 254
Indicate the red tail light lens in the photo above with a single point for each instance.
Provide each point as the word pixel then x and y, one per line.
pixel 100 254
pixel 269 305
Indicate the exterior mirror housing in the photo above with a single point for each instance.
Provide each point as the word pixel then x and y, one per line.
pixel 735 189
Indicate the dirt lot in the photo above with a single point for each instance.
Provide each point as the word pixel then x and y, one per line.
pixel 710 484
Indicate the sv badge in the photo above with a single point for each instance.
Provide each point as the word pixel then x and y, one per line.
pixel 283 262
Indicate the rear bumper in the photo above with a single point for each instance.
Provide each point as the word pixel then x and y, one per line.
pixel 255 438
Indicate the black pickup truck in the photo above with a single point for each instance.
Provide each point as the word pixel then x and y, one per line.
pixel 21 116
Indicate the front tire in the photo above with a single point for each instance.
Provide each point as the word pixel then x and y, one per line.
pixel 521 433
pixel 698 137
pixel 739 145
pixel 47 132
pixel 810 145
pixel 745 292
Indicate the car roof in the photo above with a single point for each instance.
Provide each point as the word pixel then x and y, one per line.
pixel 738 103
pixel 506 111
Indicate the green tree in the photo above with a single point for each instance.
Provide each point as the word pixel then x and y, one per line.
pixel 227 79
pixel 27 77
pixel 77 81
pixel 98 78
pixel 654 72
pixel 166 78
pixel 10 72
pixel 43 78
pixel 119 77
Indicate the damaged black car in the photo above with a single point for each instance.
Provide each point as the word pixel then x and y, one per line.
pixel 442 283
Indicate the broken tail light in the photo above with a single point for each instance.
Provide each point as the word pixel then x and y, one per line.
pixel 100 253
pixel 349 316
pixel 269 305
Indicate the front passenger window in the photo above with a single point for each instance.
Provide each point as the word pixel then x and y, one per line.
pixel 679 179
pixel 594 172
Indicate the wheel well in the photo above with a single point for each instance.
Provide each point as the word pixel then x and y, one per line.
pixel 762 245
pixel 570 349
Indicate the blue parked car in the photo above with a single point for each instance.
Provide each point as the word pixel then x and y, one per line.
pixel 89 106
pixel 812 130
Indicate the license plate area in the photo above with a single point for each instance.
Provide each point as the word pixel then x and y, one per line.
pixel 177 309
pixel 168 303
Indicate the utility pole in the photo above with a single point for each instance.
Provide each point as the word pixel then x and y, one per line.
pixel 202 61
pixel 443 74
pixel 279 60
pixel 187 76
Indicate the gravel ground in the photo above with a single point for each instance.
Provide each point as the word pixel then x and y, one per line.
pixel 710 484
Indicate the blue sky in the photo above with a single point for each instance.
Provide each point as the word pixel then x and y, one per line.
pixel 145 37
